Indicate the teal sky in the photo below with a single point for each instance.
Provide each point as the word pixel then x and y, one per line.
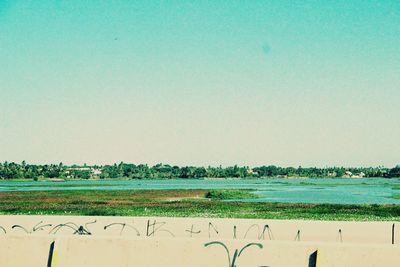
pixel 311 83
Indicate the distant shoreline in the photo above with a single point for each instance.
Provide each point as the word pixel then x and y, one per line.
pixel 183 203
pixel 12 170
pixel 58 180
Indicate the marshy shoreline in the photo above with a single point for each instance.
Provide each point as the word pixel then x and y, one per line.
pixel 181 203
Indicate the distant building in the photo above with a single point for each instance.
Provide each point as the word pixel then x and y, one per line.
pixel 358 175
pixel 348 174
pixel 94 172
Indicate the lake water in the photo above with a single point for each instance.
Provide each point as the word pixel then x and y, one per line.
pixel 340 191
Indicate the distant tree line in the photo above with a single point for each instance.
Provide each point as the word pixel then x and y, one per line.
pixel 12 170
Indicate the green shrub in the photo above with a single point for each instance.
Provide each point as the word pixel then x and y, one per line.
pixel 227 194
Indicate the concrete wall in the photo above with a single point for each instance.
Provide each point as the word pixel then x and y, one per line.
pixel 114 252
pixel 65 241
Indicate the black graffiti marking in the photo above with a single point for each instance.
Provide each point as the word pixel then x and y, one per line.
pixel 154 227
pixel 313 259
pixel 51 254
pixel 123 225
pixel 192 232
pixel 260 235
pixel 78 230
pixel 270 235
pixel 39 227
pixel 210 225
pixel 237 252
pixel 21 227
pixel 297 237
pixel 251 227
pixel 393 234
pixel 340 238
pixel 234 231
pixel 62 225
pixel 36 227
pixel 2 228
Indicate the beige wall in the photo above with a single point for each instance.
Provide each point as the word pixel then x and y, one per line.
pixel 93 251
pixel 26 241
pixel 284 230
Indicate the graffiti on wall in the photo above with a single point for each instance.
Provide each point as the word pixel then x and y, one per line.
pixel 147 228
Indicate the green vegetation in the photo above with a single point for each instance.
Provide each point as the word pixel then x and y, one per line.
pixel 395 196
pixel 160 171
pixel 229 194
pixel 180 203
pixel 396 187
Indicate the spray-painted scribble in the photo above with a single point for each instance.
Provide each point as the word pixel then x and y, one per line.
pixel 297 237
pixel 123 226
pixel 192 231
pixel 154 227
pixel 260 235
pixel 214 228
pixel 340 237
pixel 51 257
pixel 232 261
pixel 77 230
pixel 36 227
pixel 393 234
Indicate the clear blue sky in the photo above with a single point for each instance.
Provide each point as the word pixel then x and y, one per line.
pixel 311 83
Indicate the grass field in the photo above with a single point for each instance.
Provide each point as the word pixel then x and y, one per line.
pixel 181 203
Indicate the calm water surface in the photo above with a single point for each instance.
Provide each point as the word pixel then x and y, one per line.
pixel 340 191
